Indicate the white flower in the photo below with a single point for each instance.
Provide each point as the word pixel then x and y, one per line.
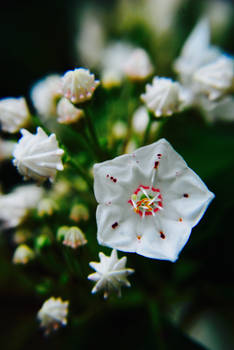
pixel 38 156
pixel 148 201
pixel 45 93
pixel 218 110
pixel 67 112
pixel 15 205
pixel 113 62
pixel 110 274
pixel 78 85
pixel 6 149
pixel 23 254
pixel 53 314
pixel 216 78
pixel 74 237
pixel 195 52
pixel 14 114
pixel 138 65
pixel 162 97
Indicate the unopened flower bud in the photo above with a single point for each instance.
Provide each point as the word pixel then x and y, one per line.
pixel 23 254
pixel 67 112
pixel 14 114
pixel 74 237
pixel 78 85
pixel 79 212
pixel 138 67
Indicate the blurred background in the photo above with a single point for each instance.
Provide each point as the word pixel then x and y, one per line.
pixel 186 305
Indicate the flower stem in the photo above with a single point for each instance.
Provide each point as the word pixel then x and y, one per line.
pixel 147 131
pixel 101 155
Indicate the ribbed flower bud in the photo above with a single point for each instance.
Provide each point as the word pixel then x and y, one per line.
pixel 38 156
pixel 78 85
pixel 14 114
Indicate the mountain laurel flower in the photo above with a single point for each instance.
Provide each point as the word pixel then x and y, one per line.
pixel 23 254
pixel 74 237
pixel 196 52
pixel 162 97
pixel 78 85
pixel 138 67
pixel 38 156
pixel 110 274
pixel 67 112
pixel 216 78
pixel 14 114
pixel 45 93
pixel 148 201
pixel 53 314
pixel 14 206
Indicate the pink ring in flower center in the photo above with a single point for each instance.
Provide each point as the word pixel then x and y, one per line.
pixel 146 200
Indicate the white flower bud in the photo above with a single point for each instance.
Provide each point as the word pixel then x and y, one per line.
pixel 113 61
pixel 110 274
pixel 140 120
pixel 138 67
pixel 38 156
pixel 78 85
pixel 23 254
pixel 14 114
pixel 162 97
pixel 216 78
pixel 74 237
pixel 119 130
pixel 6 149
pixel 67 112
pixel 15 205
pixel 53 314
pixel 79 212
pixel 45 93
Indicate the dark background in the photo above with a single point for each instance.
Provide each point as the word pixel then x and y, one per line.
pixel 37 39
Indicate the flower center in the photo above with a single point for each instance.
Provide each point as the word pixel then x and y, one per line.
pixel 146 200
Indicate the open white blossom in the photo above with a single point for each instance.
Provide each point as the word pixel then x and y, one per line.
pixel 23 254
pixel 74 237
pixel 53 314
pixel 148 201
pixel 45 93
pixel 110 274
pixel 162 97
pixel 67 112
pixel 78 85
pixel 138 66
pixel 37 155
pixel 15 205
pixel 218 110
pixel 216 78
pixel 6 149
pixel 14 114
pixel 196 52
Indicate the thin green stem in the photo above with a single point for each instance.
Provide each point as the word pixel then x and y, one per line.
pixel 81 170
pixel 147 131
